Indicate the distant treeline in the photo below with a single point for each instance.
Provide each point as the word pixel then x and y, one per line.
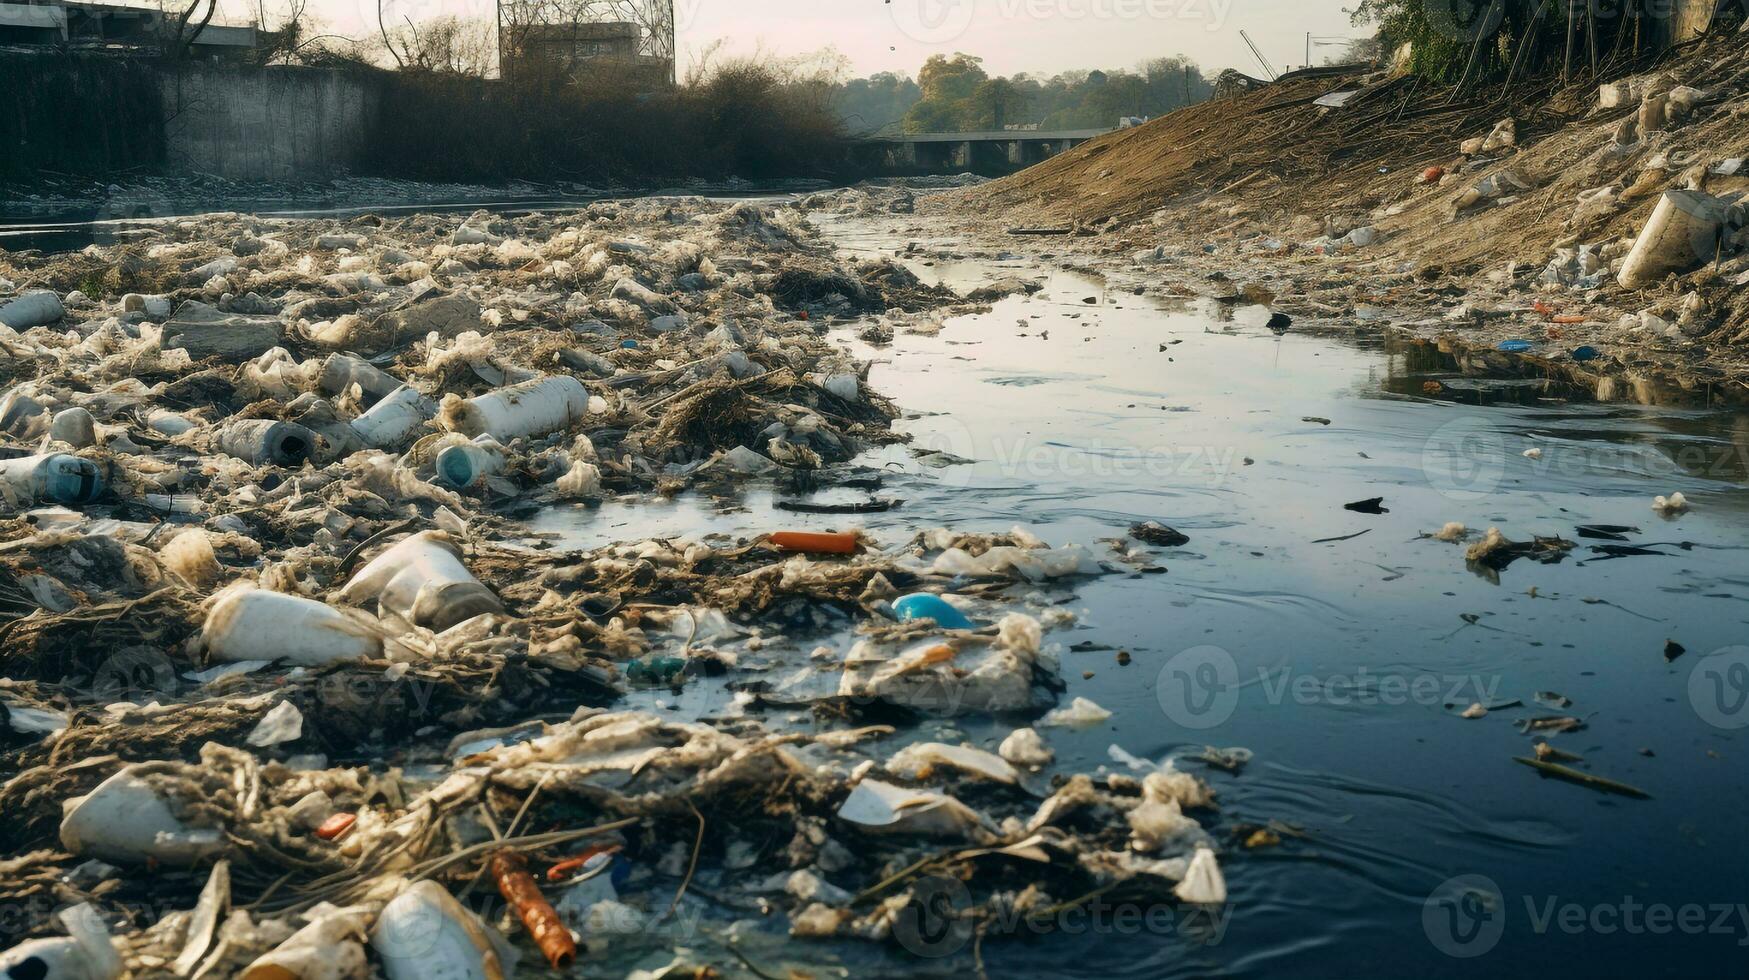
pixel 956 94
pixel 743 118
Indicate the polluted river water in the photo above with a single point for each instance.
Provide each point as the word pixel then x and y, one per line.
pixel 1341 647
pixel 1317 646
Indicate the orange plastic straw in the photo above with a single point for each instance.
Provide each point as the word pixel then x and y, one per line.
pixel 843 543
pixel 537 914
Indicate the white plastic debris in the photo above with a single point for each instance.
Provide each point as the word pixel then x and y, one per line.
pixel 884 808
pixel 125 821
pixel 949 680
pixel 1024 747
pixel 342 371
pixel 581 481
pixel 1156 825
pixel 85 953
pixel 1081 713
pixel 285 723
pixel 395 420
pixel 845 386
pixel 917 761
pixel 423 580
pixel 1032 564
pixel 425 934
pixel 533 408
pixel 1491 188
pixel 1203 883
pixel 1669 506
pixel 254 624
pixel 329 947
pixel 1684 232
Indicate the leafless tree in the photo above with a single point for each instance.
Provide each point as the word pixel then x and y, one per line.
pixel 179 39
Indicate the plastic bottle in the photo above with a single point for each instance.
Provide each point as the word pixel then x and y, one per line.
pixel 124 820
pixel 394 420
pixel 85 953
pixel 55 477
pixel 36 309
pixel 464 466
pixel 341 371
pixel 532 408
pixel 265 442
pixel 423 580
pixel 425 934
pixel 255 624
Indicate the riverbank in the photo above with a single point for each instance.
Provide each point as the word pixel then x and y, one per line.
pixel 1532 205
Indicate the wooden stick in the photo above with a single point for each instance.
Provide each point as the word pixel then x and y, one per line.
pixel 1573 39
pixel 1591 33
pixel 1583 778
pixel 692 866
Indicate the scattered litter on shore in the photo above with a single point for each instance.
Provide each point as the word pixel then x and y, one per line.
pixel 284 664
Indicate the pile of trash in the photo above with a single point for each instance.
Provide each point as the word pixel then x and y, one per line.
pixel 288 690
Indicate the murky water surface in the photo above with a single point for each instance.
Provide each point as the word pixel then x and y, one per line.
pixel 1344 665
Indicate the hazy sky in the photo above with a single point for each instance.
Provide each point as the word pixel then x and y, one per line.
pixel 1011 35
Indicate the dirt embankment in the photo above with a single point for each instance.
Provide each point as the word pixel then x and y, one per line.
pixel 1506 214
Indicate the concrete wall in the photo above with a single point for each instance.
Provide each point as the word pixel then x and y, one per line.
pixel 267 124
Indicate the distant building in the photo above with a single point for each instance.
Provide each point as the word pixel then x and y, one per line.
pixel 580 48
pixel 102 25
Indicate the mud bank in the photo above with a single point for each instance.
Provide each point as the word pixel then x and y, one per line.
pixel 1484 218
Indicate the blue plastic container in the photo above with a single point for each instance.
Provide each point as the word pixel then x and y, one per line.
pixel 924 605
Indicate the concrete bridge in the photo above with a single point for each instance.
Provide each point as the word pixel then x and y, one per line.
pixel 989 153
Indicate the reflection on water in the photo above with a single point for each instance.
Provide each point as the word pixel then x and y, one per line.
pixel 1354 656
